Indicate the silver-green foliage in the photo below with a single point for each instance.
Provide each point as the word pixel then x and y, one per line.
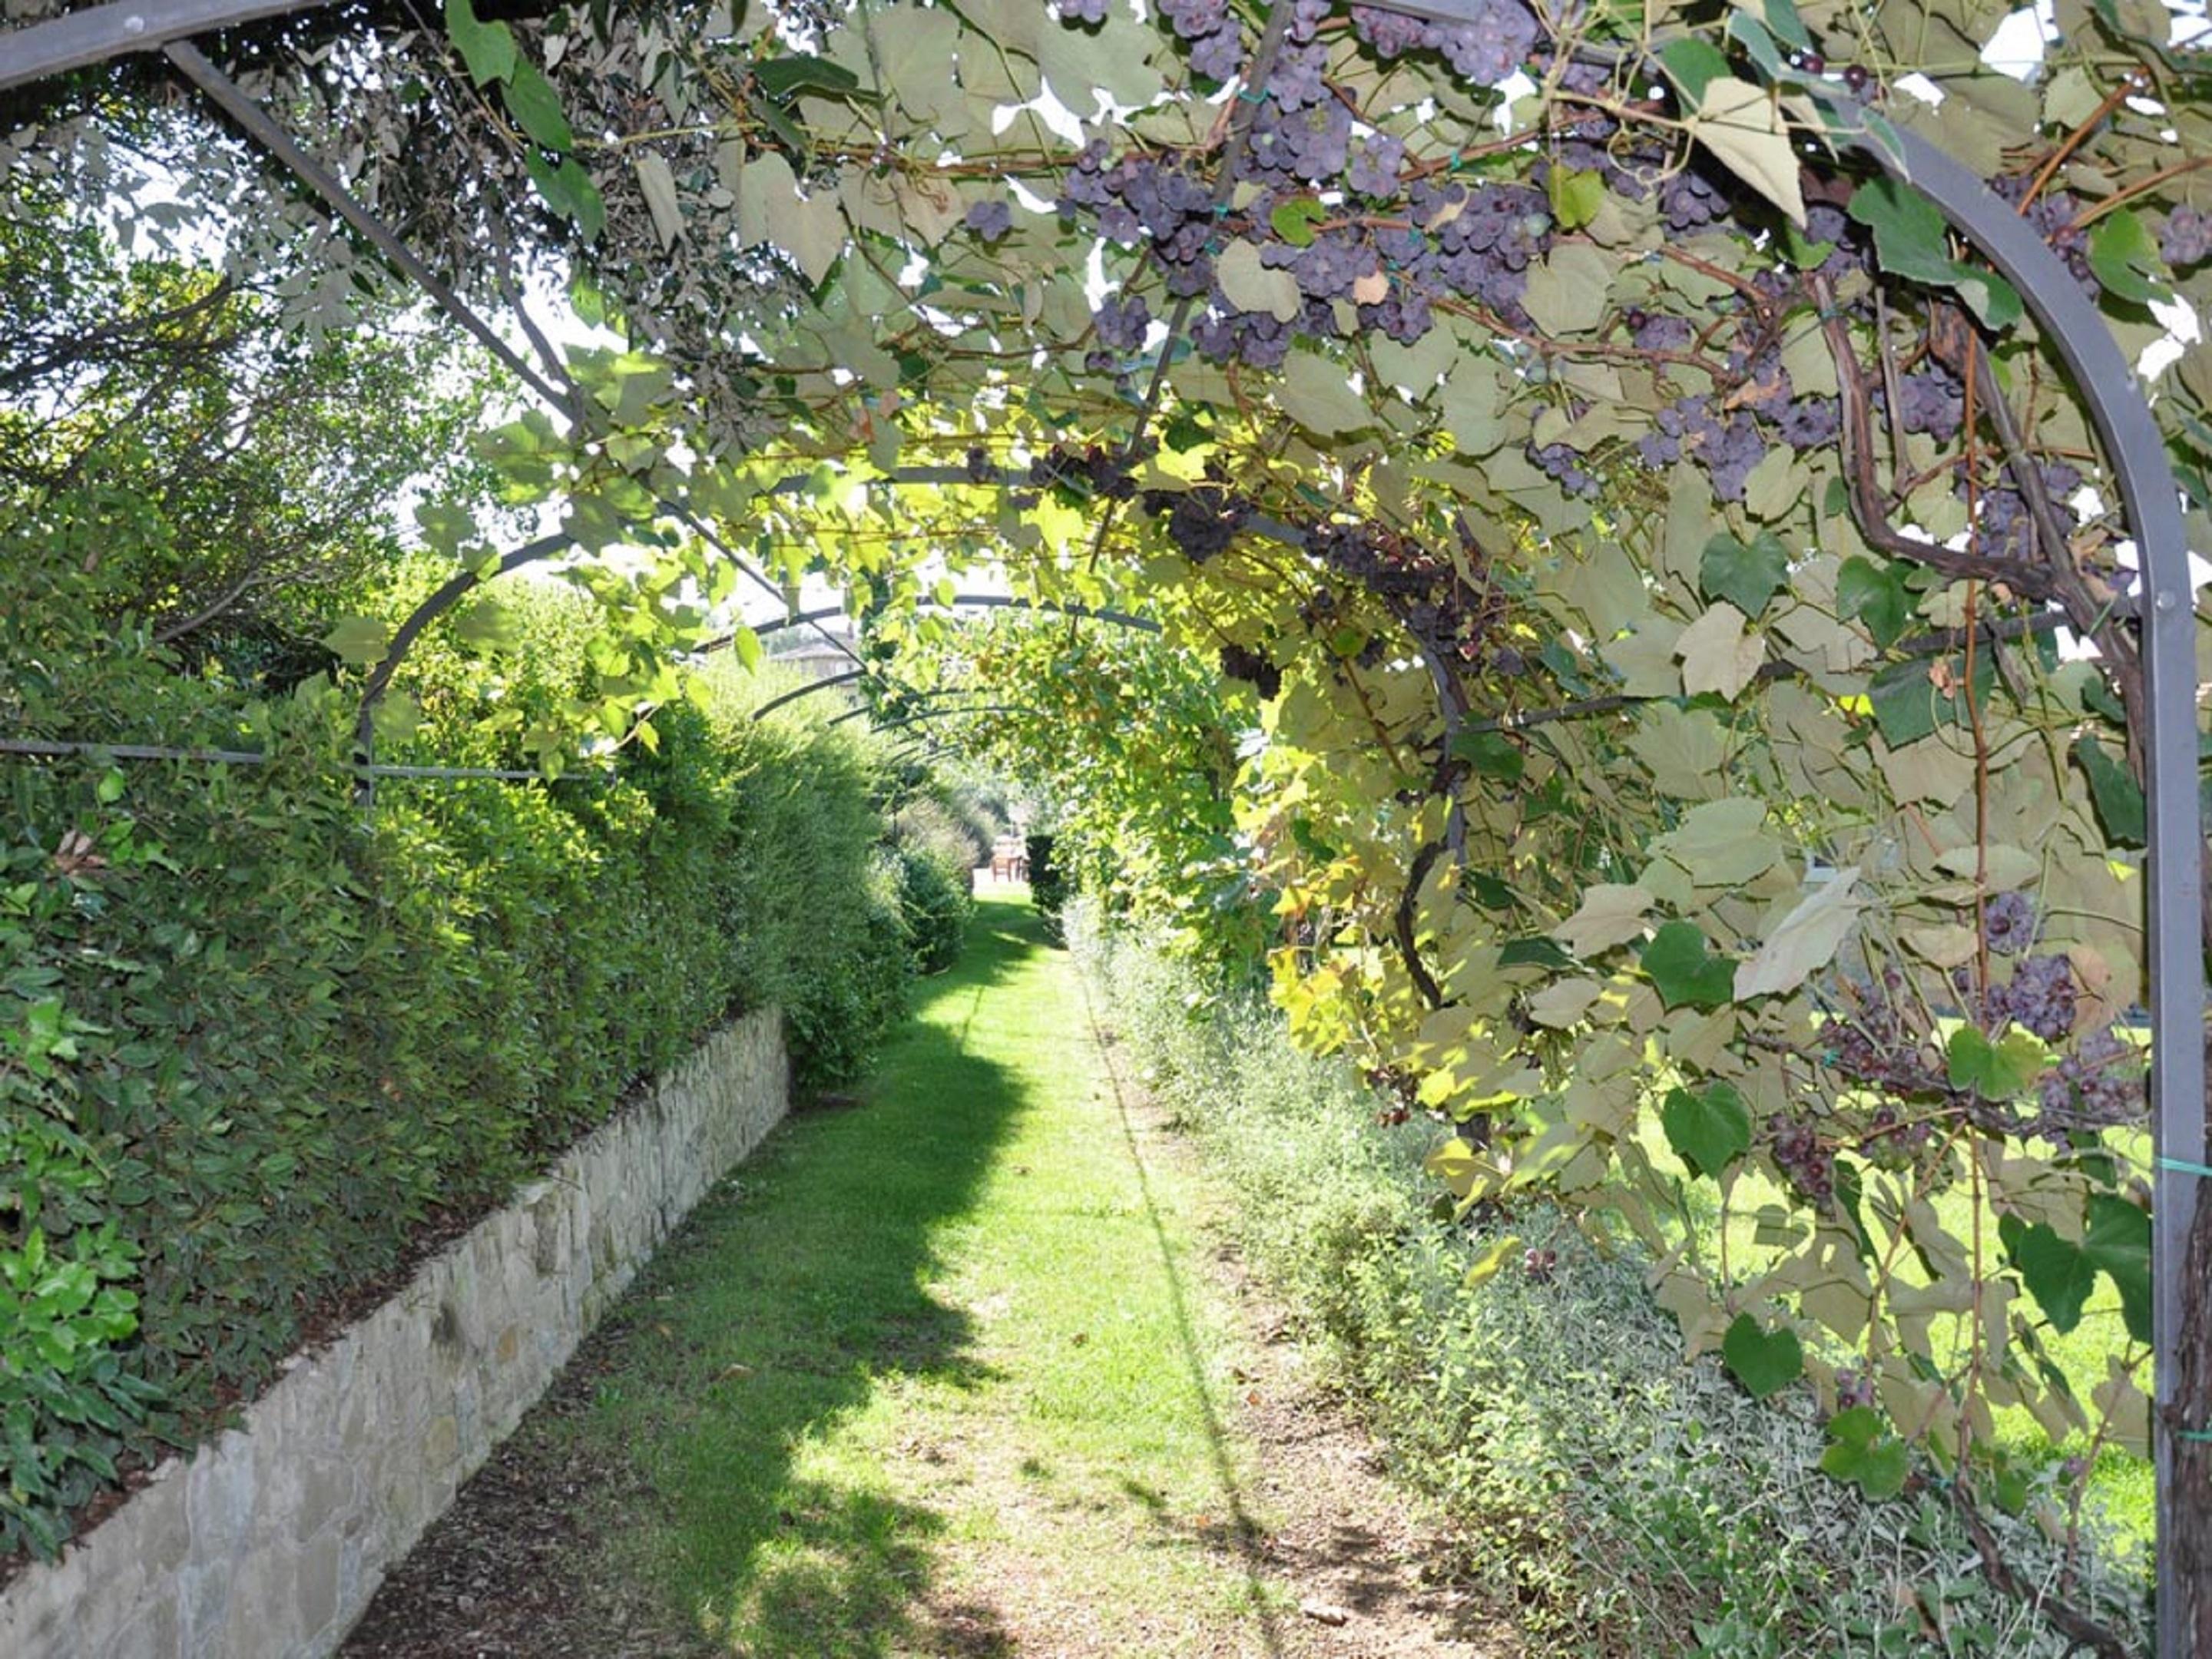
pixel 1621 1498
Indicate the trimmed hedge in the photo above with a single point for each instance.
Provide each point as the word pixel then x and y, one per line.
pixel 250 1042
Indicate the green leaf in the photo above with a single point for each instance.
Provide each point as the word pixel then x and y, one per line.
pixel 570 192
pixel 1685 973
pixel 1859 1451
pixel 2119 798
pixel 1533 953
pixel 1492 754
pixel 2117 1239
pixel 2003 1070
pixel 1874 596
pixel 359 641
pixel 1294 220
pixel 487 48
pixel 780 78
pixel 109 790
pixel 2059 1273
pixel 1691 64
pixel 1745 576
pixel 1907 704
pixel 1764 1361
pixel 1708 1130
pixel 1577 195
pixel 2125 259
pixel 536 108
pixel 1911 240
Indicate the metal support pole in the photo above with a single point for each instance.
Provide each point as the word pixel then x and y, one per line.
pixel 82 38
pixel 2136 450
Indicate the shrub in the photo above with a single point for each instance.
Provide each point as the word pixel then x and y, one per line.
pixel 934 908
pixel 249 1038
pixel 1621 1499
pixel 1048 886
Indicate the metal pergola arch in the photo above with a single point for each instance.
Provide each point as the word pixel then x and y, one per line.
pixel 2134 450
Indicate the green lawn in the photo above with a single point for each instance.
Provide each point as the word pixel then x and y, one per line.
pixel 932 1377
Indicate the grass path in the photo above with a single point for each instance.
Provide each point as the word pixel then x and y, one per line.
pixel 937 1373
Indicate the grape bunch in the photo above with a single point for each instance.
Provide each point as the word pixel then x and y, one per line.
pixel 1095 470
pixel 2186 239
pixel 1801 1157
pixel 1201 522
pixel 1240 662
pixel 1486 49
pixel 991 221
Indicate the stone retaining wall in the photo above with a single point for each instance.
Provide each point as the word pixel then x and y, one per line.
pixel 269 1542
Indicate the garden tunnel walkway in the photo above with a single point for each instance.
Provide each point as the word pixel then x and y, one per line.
pixel 955 1368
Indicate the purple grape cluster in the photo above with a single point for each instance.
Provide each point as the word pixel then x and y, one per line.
pixel 1123 323
pixel 1801 1157
pixel 980 467
pixel 2052 215
pixel 1214 34
pixel 1202 521
pixel 2003 522
pixel 1081 11
pixel 1486 49
pixel 2186 237
pixel 1375 172
pixel 2097 1086
pixel 2008 923
pixel 1094 470
pixel 1893 1142
pixel 1728 446
pixel 1564 464
pixel 1241 662
pixel 991 221
pixel 1853 1387
pixel 1141 199
pixel 1447 604
pixel 1932 401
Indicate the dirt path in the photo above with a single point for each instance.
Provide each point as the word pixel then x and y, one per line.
pixel 965 1372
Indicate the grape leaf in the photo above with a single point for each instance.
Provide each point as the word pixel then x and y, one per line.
pixel 1746 576
pixel 1804 941
pixel 1610 915
pixel 1294 220
pixel 1912 240
pixel 1742 124
pixel 1685 973
pixel 2059 1273
pixel 487 49
pixel 780 78
pixel 359 641
pixel 2125 259
pixel 1764 1361
pixel 1874 596
pixel 1861 1453
pixel 2001 1070
pixel 536 108
pixel 2119 798
pixel 1693 64
pixel 1718 655
pixel 658 183
pixel 1710 1129
pixel 1251 286
pixel 1577 195
pixel 2118 1241
pixel 1492 754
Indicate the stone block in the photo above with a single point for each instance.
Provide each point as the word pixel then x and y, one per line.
pixel 267 1545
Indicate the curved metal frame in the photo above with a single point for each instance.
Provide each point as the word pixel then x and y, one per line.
pixel 2134 449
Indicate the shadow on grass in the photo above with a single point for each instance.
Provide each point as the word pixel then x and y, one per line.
pixel 792 1297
